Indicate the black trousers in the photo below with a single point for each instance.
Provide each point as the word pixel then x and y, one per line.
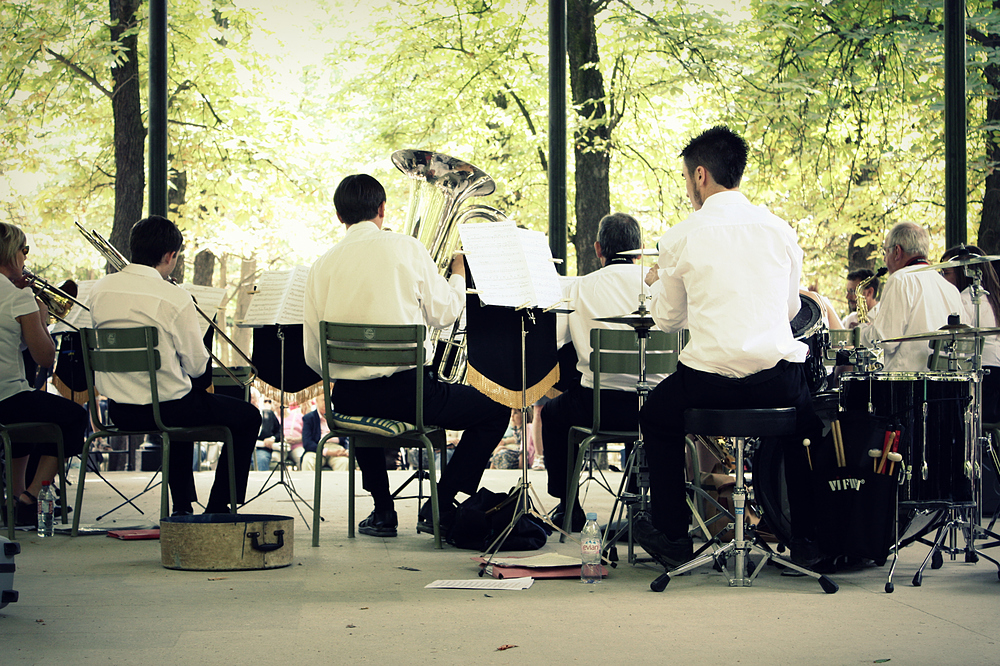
pixel 38 406
pixel 575 407
pixel 199 408
pixel 451 406
pixel 662 419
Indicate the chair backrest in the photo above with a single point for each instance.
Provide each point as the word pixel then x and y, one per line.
pixel 617 352
pixel 242 372
pixel 964 350
pixel 117 350
pixel 387 345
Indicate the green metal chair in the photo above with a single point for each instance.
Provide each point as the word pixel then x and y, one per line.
pixel 615 351
pixel 242 372
pixel 134 350
pixel 30 433
pixel 370 345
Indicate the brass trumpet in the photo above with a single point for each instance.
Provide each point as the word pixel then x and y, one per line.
pixel 56 300
pixel 118 261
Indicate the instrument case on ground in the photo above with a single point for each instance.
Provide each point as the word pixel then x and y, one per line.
pixel 8 549
pixel 226 542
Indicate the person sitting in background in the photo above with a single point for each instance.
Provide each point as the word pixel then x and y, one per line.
pixel 270 432
pixel 854 278
pixel 23 319
pixel 314 427
pixel 988 316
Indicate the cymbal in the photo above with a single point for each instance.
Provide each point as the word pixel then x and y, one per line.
pixel 634 319
pixel 965 261
pixel 644 251
pixel 946 334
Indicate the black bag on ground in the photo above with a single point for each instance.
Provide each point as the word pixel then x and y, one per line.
pixel 483 517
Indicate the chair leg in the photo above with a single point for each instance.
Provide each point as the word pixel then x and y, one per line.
pixel 350 489
pixel 318 467
pixel 435 507
pixel 573 485
pixel 231 457
pixel 165 472
pixel 61 471
pixel 84 456
pixel 9 467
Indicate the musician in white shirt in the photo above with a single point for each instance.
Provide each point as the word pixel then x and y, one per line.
pixel 377 277
pixel 140 295
pixel 730 273
pixel 23 319
pixel 913 300
pixel 612 290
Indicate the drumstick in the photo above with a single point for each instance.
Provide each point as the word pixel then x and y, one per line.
pixel 838 444
pixel 889 437
pixel 874 453
pixel 806 443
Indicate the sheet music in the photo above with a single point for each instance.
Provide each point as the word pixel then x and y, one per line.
pixel 279 299
pixel 77 316
pixel 544 277
pixel 511 266
pixel 208 299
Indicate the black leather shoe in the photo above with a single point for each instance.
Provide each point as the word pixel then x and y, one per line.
pixel 671 553
pixel 805 553
pixel 425 518
pixel 579 517
pixel 379 524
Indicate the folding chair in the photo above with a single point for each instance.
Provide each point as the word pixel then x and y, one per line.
pixel 134 350
pixel 30 433
pixel 615 351
pixel 371 345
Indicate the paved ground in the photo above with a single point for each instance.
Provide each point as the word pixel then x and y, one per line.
pixel 98 600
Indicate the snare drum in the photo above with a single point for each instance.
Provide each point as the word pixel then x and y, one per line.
pixel 809 326
pixel 934 413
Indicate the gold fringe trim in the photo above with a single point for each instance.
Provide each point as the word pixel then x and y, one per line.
pixel 300 398
pixel 508 397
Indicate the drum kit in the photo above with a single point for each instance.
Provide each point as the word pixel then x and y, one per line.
pixel 931 422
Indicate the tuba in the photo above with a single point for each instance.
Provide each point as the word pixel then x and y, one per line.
pixel 439 186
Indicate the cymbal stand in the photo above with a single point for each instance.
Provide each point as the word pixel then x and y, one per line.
pixel 284 480
pixel 965 517
pixel 632 504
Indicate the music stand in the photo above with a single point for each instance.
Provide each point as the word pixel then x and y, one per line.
pixel 302 377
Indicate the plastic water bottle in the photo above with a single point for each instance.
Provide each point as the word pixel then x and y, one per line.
pixel 46 509
pixel 590 551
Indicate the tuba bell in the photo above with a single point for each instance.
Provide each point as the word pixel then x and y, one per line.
pixel 439 186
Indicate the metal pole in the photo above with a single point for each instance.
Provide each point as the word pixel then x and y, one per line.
pixel 557 131
pixel 955 217
pixel 158 107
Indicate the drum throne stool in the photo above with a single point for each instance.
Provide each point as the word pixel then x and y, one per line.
pixel 741 425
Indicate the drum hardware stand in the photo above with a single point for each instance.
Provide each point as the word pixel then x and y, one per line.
pixel 284 480
pixel 741 547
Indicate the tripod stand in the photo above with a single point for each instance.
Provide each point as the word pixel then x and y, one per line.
pixel 283 480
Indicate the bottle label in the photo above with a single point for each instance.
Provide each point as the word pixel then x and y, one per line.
pixel 591 547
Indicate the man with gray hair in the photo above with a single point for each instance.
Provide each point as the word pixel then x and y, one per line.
pixel 913 300
pixel 612 290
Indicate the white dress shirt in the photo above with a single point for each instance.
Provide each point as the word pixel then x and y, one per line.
pixel 613 290
pixel 730 273
pixel 139 296
pixel 991 349
pixel 376 277
pixel 14 303
pixel 913 301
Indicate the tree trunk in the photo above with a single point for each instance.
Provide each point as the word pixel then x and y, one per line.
pixel 204 268
pixel 591 139
pixel 129 132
